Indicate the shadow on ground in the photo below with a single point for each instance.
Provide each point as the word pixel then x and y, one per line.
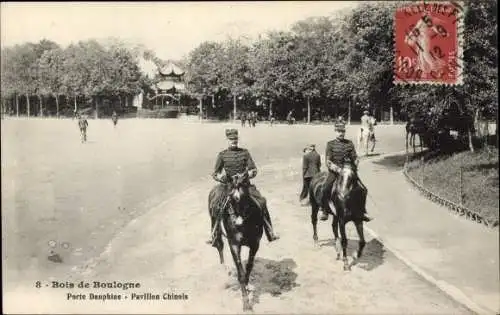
pixel 373 253
pixel 393 162
pixel 270 276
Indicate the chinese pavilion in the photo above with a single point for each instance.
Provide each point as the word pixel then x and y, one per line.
pixel 170 86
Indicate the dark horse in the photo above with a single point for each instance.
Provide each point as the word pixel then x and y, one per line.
pixel 240 219
pixel 344 206
pixel 415 126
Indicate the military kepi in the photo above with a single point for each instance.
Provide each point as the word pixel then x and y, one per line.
pixel 340 126
pixel 231 134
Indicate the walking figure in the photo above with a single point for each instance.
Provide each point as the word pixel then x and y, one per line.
pixel 83 124
pixel 311 165
pixel 114 118
pixel 271 119
pixel 243 119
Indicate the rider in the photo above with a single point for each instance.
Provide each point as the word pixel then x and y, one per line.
pixel 337 152
pixel 235 160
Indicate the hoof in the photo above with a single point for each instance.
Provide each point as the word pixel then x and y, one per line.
pixel 347 268
pixel 338 256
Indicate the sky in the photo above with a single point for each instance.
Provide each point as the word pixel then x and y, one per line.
pixel 171 29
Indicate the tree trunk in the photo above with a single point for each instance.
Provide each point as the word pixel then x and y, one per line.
pixel 234 107
pixel 96 99
pixel 496 130
pixel 57 105
pixel 41 104
pixel 213 100
pixel 126 100
pixel 469 135
pixel 17 105
pixel 308 110
pixel 76 108
pixel 201 108
pixel 349 113
pixel 28 105
pixel 391 111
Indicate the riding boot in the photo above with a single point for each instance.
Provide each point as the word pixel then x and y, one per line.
pixel 268 227
pixel 362 195
pixel 326 196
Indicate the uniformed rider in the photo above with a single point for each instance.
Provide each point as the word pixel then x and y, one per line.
pixel 337 152
pixel 235 160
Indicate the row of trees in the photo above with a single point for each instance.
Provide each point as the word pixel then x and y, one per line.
pixel 326 63
pixel 88 72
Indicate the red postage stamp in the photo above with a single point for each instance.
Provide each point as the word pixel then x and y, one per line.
pixel 428 43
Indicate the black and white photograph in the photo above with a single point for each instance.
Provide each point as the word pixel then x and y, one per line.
pixel 281 157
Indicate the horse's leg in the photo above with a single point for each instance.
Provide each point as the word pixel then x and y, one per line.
pixel 314 217
pixel 220 249
pixel 361 235
pixel 412 141
pixel 335 229
pixel 367 140
pixel 407 134
pixel 343 241
pixel 236 253
pixel 251 259
pixel 373 143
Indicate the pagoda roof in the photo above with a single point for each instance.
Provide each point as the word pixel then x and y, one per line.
pixel 171 69
pixel 168 85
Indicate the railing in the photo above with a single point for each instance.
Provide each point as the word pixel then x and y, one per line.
pixel 456 208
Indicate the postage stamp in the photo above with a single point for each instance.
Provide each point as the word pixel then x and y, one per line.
pixel 428 43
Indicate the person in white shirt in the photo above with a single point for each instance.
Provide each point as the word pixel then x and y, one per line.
pixel 364 132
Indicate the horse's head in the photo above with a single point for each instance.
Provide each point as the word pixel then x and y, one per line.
pixel 238 186
pixel 346 180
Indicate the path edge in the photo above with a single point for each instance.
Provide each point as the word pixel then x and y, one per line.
pixel 450 290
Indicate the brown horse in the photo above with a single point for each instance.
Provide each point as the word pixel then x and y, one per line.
pixel 344 205
pixel 415 126
pixel 240 218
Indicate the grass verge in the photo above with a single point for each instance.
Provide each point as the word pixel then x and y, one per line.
pixel 441 175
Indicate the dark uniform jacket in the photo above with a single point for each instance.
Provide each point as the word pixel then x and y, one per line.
pixel 233 161
pixel 311 164
pixel 338 150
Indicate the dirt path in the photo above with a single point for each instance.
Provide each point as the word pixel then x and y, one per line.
pixel 164 250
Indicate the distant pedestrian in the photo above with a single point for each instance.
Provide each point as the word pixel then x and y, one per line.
pixel 243 119
pixel 311 164
pixel 114 118
pixel 271 118
pixel 253 118
pixel 83 124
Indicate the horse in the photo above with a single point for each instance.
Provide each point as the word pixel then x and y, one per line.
pixel 342 205
pixel 415 126
pixel 365 137
pixel 240 219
